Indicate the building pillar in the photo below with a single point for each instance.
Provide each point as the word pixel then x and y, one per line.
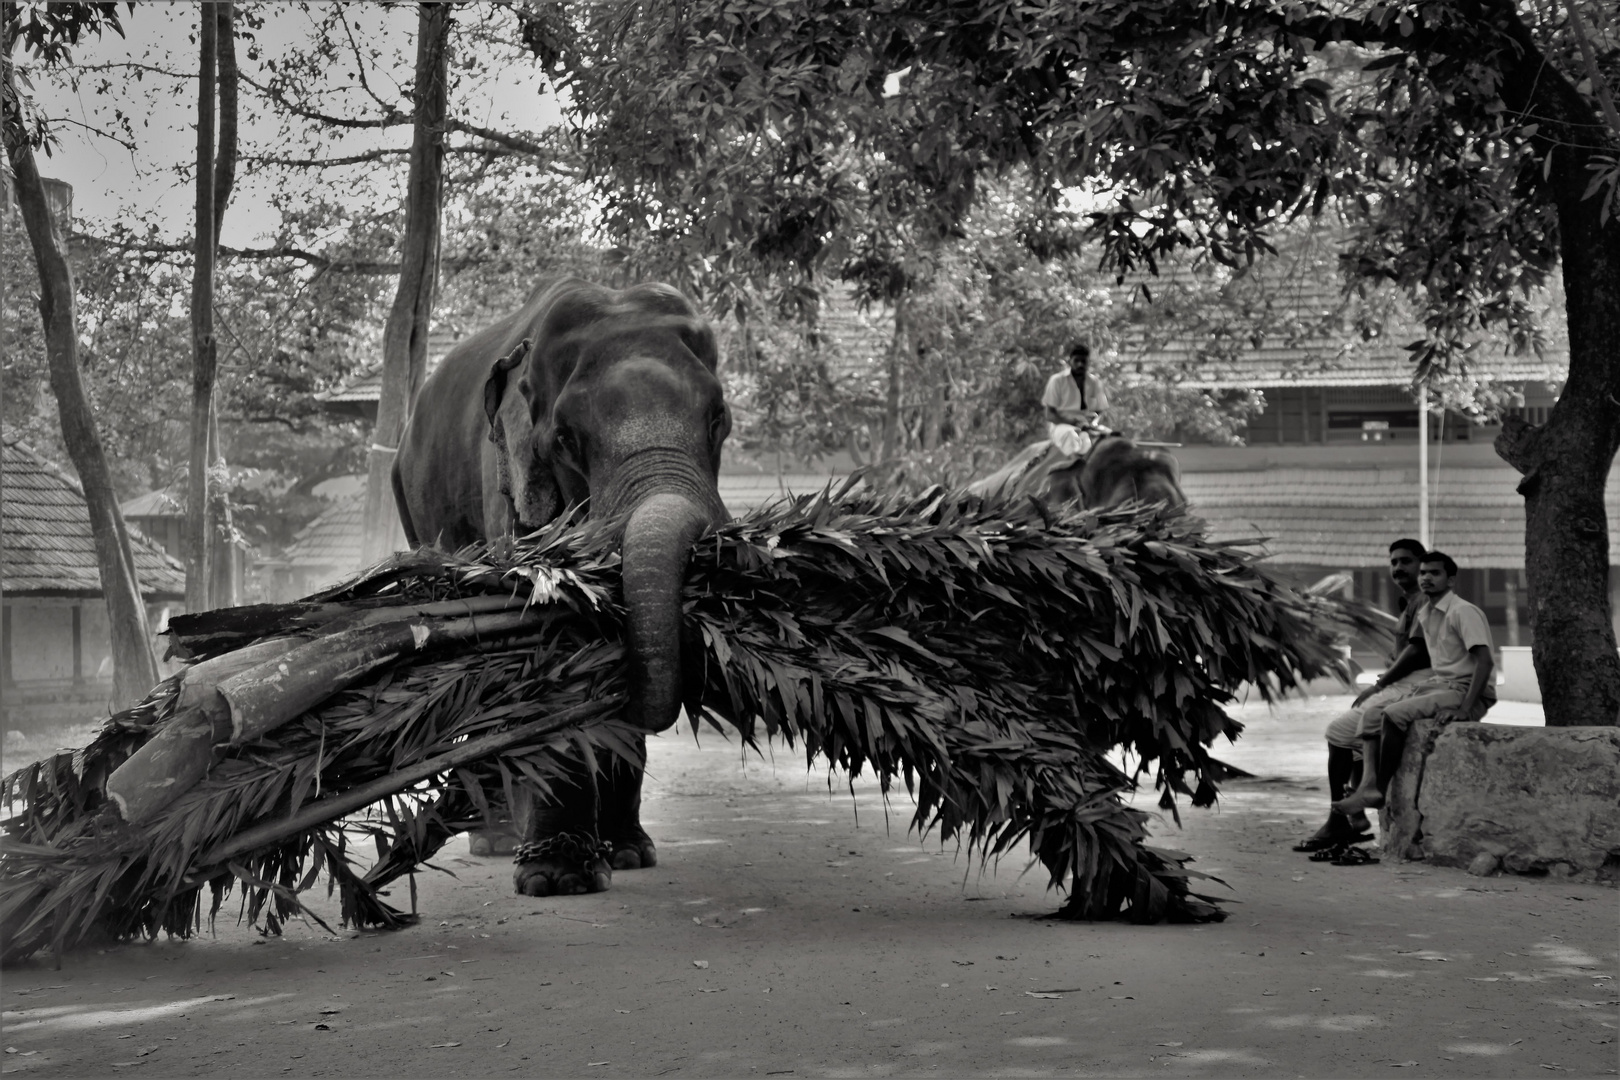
pixel 5 645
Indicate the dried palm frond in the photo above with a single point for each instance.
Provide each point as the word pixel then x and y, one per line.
pixel 987 656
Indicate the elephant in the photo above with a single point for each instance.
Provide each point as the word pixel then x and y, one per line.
pixel 585 395
pixel 1116 470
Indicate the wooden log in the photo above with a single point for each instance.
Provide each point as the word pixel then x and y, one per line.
pixel 291 677
pixel 263 698
pixel 330 809
pixel 199 683
pixel 167 766
pixel 209 631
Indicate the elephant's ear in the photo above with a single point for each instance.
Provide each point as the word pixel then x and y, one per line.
pixel 495 385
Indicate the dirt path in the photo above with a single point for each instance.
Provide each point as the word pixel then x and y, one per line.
pixel 778 938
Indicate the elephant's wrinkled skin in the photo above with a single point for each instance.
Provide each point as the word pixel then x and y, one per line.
pixel 614 400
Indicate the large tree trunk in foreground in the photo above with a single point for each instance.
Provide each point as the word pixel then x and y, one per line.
pixel 1566 462
pixel 405 336
pixel 134 666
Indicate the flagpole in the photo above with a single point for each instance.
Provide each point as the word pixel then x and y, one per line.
pixel 1423 464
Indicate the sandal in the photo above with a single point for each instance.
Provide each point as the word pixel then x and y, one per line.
pixel 1327 854
pixel 1328 843
pixel 1355 856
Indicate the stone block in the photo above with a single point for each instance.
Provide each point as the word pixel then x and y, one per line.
pixel 1400 824
pixel 1535 799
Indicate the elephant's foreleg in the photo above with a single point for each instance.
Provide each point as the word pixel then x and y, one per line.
pixel 632 848
pixel 562 853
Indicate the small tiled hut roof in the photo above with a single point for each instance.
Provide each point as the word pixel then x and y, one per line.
pixel 48 546
pixel 358 396
pixel 1346 517
pixel 332 540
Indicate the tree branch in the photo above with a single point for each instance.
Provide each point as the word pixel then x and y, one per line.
pixel 393 117
pixel 280 251
pixel 125 143
pixel 360 63
pixel 500 138
pixel 383 155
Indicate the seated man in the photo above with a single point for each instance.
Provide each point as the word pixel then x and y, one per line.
pixel 1460 685
pixel 1074 399
pixel 1344 764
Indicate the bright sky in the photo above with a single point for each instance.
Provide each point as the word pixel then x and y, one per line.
pixel 110 183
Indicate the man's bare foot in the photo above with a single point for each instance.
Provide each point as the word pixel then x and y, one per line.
pixel 1358 801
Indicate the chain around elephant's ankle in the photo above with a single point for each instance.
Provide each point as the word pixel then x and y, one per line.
pixel 562 847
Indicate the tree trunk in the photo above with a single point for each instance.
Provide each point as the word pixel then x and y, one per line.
pixel 134 666
pixel 198 541
pixel 891 404
pixel 406 333
pixel 223 556
pixel 1566 462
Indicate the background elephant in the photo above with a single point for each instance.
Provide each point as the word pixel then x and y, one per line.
pixel 1117 471
pixel 585 393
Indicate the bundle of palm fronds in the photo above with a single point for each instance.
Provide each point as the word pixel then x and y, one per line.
pixel 989 656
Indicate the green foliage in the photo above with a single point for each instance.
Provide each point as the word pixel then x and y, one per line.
pixel 983 656
pixel 846 140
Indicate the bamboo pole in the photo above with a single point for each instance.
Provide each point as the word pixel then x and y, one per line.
pixel 337 806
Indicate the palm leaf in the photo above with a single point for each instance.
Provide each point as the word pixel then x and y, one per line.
pixel 987 655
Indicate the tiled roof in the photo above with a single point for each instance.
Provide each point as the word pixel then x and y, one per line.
pixel 1346 517
pixel 48 545
pixel 1311 345
pixel 154 504
pixel 1335 517
pixel 852 337
pixel 333 539
pixel 1277 364
pixel 366 387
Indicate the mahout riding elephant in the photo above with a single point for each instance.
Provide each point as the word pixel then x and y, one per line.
pixel 1115 471
pixel 584 393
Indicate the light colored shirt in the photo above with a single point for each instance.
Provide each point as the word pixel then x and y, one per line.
pixel 1450 626
pixel 1064 395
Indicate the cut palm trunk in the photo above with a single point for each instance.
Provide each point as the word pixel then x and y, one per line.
pixel 986 655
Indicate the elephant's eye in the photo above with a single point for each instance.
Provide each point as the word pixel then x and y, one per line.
pixel 719 427
pixel 568 444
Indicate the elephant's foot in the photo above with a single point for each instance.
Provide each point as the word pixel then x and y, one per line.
pixel 494 842
pixel 563 864
pixel 633 850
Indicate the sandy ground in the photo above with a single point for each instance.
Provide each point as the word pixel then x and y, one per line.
pixel 793 930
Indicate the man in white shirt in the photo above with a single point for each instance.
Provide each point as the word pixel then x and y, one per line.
pixel 1074 399
pixel 1460 685
pixel 1345 765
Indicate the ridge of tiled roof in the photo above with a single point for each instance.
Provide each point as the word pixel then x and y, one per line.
pixel 48 544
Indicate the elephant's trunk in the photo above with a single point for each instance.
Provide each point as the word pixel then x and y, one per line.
pixel 657 543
